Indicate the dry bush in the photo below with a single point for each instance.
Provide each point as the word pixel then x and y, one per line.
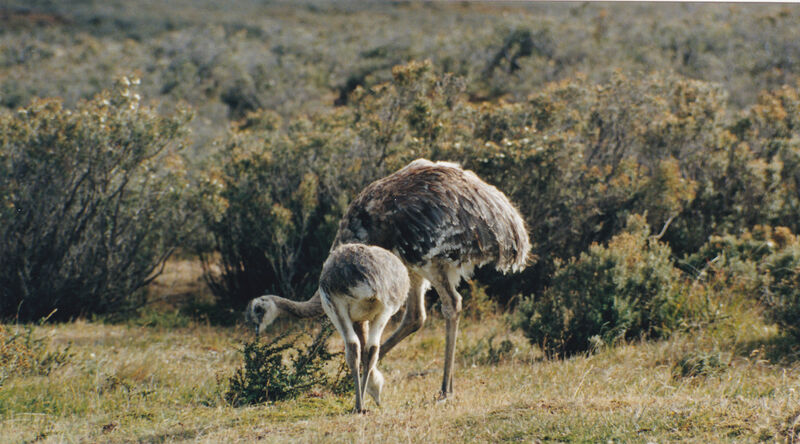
pixel 91 203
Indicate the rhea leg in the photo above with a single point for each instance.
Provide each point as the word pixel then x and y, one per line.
pixel 414 316
pixel 352 355
pixel 451 309
pixel 361 329
pixel 373 379
pixel 352 346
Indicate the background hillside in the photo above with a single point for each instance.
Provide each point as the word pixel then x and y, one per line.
pixel 161 163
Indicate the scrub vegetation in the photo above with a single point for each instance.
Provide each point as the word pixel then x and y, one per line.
pixel 161 163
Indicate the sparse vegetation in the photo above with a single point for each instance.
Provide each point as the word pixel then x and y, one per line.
pixel 128 383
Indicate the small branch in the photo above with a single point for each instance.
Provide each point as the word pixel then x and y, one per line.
pixel 580 384
pixel 664 228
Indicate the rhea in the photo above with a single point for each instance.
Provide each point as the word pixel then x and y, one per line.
pixel 361 287
pixel 442 221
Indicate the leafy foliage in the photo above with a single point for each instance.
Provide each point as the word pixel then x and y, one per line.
pixel 625 290
pixel 91 203
pixel 761 265
pixel 578 159
pixel 273 196
pixel 484 352
pixel 783 290
pixel 264 377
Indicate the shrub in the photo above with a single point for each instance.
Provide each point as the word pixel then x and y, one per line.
pixel 90 204
pixel 761 264
pixel 484 352
pixel 698 363
pixel 274 195
pixel 477 304
pixel 783 290
pixel 21 353
pixel 577 158
pixel 625 290
pixel 264 377
pixel 752 245
pixel 731 264
pixel 271 201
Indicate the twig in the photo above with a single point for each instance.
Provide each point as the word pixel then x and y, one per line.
pixel 664 228
pixel 580 384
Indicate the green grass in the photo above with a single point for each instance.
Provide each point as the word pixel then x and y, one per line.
pixel 129 383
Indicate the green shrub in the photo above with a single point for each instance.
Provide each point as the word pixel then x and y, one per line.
pixel 783 290
pixel 264 376
pixel 759 265
pixel 698 363
pixel 273 196
pixel 577 157
pixel 21 353
pixel 752 245
pixel 271 206
pixel 90 204
pixel 734 265
pixel 484 352
pixel 625 290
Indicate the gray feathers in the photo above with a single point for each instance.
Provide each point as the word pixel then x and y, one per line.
pixel 438 210
pixel 362 270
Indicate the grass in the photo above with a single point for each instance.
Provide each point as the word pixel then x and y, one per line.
pixel 128 383
pixel 163 381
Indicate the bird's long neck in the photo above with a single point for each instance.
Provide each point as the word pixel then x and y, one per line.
pixel 311 308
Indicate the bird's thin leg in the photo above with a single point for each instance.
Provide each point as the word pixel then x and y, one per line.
pixel 352 355
pixel 450 355
pixel 451 309
pixel 373 380
pixel 414 316
pixel 352 346
pixel 361 329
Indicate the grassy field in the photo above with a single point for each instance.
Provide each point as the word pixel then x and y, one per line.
pixel 584 114
pixel 163 382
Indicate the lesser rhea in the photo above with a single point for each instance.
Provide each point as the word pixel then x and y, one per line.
pixel 361 287
pixel 442 221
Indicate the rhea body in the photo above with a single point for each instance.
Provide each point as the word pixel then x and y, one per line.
pixel 361 287
pixel 441 221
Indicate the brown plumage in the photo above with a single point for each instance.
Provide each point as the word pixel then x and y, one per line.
pixel 441 221
pixel 437 210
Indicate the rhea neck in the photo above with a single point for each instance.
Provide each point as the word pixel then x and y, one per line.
pixel 308 309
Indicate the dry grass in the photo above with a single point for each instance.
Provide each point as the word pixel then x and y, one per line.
pixel 128 383
pixel 181 281
pixel 132 383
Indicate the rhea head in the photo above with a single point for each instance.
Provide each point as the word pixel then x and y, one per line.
pixel 261 313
